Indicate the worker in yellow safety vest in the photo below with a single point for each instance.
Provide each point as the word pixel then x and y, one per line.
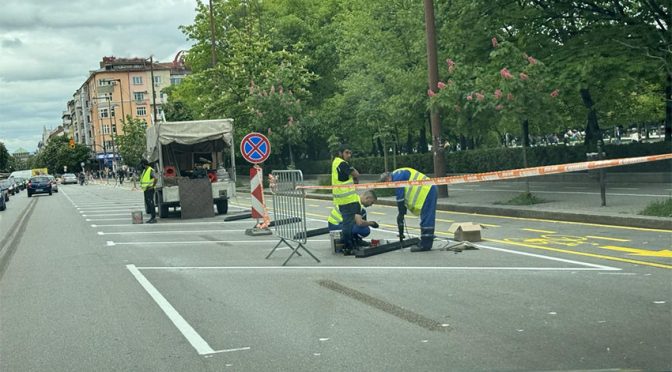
pixel 361 228
pixel 343 176
pixel 419 200
pixel 148 184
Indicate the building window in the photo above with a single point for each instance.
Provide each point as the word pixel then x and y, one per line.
pixel 114 128
pixel 106 129
pixel 137 80
pixel 141 111
pixel 157 79
pixel 104 113
pixel 102 82
pixel 139 96
pixel 175 80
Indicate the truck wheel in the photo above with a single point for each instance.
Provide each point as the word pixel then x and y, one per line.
pixel 222 206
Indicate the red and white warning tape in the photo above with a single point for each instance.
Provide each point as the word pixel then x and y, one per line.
pixel 508 174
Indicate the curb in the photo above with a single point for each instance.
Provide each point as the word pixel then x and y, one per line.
pixel 628 221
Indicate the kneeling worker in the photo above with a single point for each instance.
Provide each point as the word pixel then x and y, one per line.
pixel 361 227
pixel 420 200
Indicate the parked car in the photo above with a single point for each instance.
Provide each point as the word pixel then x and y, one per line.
pixel 39 185
pixel 69 178
pixel 4 189
pixel 21 182
pixel 8 186
pixel 3 202
pixel 54 183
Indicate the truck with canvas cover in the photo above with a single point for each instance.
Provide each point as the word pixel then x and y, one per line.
pixel 184 150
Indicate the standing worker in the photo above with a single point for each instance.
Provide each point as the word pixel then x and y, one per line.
pixel 345 197
pixel 420 200
pixel 148 183
pixel 361 227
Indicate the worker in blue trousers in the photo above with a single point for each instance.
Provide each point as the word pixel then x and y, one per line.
pixel 362 227
pixel 344 177
pixel 419 200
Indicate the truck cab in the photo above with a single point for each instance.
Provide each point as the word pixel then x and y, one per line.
pixel 192 150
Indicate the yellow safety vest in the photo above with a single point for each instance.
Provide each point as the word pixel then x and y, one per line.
pixel 335 217
pixel 146 181
pixel 415 195
pixel 342 195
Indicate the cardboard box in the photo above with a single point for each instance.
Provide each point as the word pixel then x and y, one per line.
pixel 466 232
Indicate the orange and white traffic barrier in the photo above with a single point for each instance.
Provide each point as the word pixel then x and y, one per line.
pixel 257 192
pixel 507 174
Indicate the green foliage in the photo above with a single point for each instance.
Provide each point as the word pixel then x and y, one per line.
pixel 132 144
pixel 658 209
pixel 4 157
pixel 525 198
pixel 58 154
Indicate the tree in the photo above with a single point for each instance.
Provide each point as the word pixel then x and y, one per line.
pixel 58 154
pixel 132 143
pixel 4 157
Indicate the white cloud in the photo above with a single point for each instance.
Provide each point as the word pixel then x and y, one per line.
pixel 48 48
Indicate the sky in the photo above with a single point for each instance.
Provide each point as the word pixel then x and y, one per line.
pixel 48 47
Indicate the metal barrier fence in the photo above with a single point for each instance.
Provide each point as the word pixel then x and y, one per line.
pixel 289 211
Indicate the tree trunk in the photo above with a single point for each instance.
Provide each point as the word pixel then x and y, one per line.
pixel 668 109
pixel 592 128
pixel 422 141
pixel 526 144
pixel 381 149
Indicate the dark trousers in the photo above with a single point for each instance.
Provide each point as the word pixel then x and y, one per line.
pixel 428 219
pixel 357 231
pixel 348 211
pixel 149 202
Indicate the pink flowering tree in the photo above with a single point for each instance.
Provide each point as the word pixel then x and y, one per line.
pixel 510 91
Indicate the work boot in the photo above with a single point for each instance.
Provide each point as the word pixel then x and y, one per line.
pixel 151 220
pixel 362 243
pixel 419 248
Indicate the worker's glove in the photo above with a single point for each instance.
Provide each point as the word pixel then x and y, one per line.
pixel 374 224
pixel 402 209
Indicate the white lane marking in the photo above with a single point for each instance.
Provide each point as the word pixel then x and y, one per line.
pixel 209 242
pixel 623 188
pixel 105 219
pixel 105 214
pixel 402 268
pixel 570 192
pixel 201 346
pixel 599 267
pixel 161 223
pixel 170 232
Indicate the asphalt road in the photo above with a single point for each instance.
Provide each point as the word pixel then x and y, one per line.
pixel 85 289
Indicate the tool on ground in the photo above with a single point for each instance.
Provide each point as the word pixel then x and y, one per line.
pixel 384 248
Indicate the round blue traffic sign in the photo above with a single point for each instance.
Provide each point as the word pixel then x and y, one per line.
pixel 255 148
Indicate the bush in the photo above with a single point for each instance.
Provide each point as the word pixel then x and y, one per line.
pixel 658 209
pixel 497 159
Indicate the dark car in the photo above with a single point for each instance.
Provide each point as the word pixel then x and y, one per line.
pixel 39 185
pixel 7 187
pixel 3 202
pixel 21 182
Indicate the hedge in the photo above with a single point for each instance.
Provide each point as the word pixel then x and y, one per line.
pixel 487 160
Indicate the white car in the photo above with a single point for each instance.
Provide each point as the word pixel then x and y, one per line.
pixel 54 183
pixel 69 178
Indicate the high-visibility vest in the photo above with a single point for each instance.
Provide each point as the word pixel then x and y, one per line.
pixel 146 181
pixel 414 196
pixel 342 195
pixel 336 218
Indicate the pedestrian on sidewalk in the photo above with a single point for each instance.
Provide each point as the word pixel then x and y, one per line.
pixel 148 184
pixel 345 197
pixel 419 200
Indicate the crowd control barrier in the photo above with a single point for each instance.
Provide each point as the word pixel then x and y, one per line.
pixel 289 211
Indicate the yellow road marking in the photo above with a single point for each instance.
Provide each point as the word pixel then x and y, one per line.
pixel 488 225
pixel 378 213
pixel 541 231
pixel 612 258
pixel 639 252
pixel 314 205
pixel 441 220
pixel 605 238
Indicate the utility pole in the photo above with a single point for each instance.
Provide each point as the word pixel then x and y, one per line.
pixel 433 74
pixel 151 73
pixel 212 37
